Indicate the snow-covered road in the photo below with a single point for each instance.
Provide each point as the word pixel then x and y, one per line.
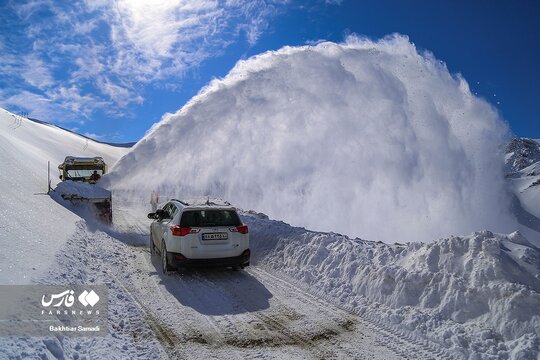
pixel 218 313
pixel 225 314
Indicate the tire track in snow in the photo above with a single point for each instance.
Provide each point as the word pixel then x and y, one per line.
pixel 282 335
pixel 160 303
pixel 249 331
pixel 409 347
pixel 322 339
pixel 166 337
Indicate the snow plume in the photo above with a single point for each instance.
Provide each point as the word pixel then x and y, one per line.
pixel 369 138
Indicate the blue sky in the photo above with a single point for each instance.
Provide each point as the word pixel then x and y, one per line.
pixel 110 69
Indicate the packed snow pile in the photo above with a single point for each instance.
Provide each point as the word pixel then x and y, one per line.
pixel 371 139
pixel 478 294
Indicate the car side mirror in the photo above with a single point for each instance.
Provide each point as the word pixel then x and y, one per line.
pixel 159 214
pixel 152 215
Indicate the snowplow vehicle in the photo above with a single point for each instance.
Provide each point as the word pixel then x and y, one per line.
pixel 82 168
pixel 79 176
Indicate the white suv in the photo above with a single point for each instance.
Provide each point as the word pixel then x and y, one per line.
pixel 204 234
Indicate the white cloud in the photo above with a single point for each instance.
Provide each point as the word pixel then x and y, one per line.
pixel 37 106
pixel 36 73
pixel 71 98
pixel 58 104
pixel 25 10
pixel 155 29
pixel 120 95
pixel 114 50
pixel 89 64
pixel 86 27
pixel 156 40
pixel 368 138
pixel 9 66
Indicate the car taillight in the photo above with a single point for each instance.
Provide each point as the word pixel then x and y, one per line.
pixel 242 229
pixel 180 230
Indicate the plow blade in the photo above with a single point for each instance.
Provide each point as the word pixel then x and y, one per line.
pixel 96 200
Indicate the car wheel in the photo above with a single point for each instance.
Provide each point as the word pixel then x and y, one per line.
pixel 152 245
pixel 164 261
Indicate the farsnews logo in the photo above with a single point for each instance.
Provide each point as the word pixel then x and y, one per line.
pixel 45 310
pixel 88 298
pixel 67 299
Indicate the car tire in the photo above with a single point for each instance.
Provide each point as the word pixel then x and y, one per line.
pixel 164 260
pixel 153 250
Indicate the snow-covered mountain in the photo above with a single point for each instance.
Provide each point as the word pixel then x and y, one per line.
pixel 520 154
pixel 522 165
pixel 33 226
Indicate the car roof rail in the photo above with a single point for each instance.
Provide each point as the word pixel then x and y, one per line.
pixel 201 202
pixel 181 202
pixel 210 203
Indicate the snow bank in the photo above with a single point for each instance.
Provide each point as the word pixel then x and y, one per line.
pixel 367 138
pixel 478 295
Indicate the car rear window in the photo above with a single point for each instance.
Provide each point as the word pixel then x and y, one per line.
pixel 202 218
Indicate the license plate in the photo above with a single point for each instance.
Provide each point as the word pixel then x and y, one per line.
pixel 215 236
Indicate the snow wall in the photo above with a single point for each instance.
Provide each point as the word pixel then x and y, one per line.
pixel 367 138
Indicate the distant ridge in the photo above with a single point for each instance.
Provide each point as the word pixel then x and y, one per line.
pixel 122 145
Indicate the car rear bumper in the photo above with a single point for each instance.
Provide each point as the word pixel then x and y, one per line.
pixel 178 260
